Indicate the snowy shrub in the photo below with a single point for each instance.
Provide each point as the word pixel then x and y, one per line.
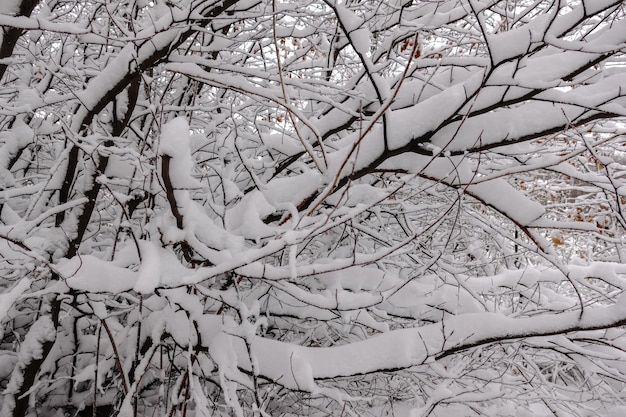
pixel 312 207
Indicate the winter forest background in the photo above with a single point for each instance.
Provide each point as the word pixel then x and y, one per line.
pixel 312 208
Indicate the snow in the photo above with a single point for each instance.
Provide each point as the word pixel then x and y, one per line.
pixel 332 298
pixel 509 44
pixel 356 152
pixel 223 354
pixel 512 203
pixel 406 281
pixel 282 143
pixel 102 83
pixel 200 225
pixel 199 228
pixel 404 348
pixel 175 139
pixel 158 267
pixel 8 299
pixel 360 194
pixel 360 39
pixel 175 143
pixel 150 270
pixel 459 170
pixel 430 113
pixel 246 217
pixel 10 7
pixel 617 411
pixel 302 372
pixel 505 126
pixel 89 273
pixel 292 189
pixel 42 331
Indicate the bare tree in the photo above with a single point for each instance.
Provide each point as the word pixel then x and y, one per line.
pixel 312 207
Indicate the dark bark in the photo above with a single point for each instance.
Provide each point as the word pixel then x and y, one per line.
pixel 31 370
pixel 12 35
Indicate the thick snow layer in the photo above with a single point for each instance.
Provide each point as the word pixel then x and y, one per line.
pixel 159 266
pixel 8 298
pixel 282 143
pixel 503 197
pixel 504 126
pixel 429 114
pixel 292 189
pixel 460 171
pixel 246 218
pixel 408 347
pixel 175 138
pixel 175 143
pixel 101 84
pixel 149 276
pixel 223 354
pixel 10 7
pixel 199 225
pixel 89 273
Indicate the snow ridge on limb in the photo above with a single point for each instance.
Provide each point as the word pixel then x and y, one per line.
pixel 509 201
pixel 405 348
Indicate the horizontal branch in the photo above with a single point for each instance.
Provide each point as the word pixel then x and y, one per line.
pixel 401 349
